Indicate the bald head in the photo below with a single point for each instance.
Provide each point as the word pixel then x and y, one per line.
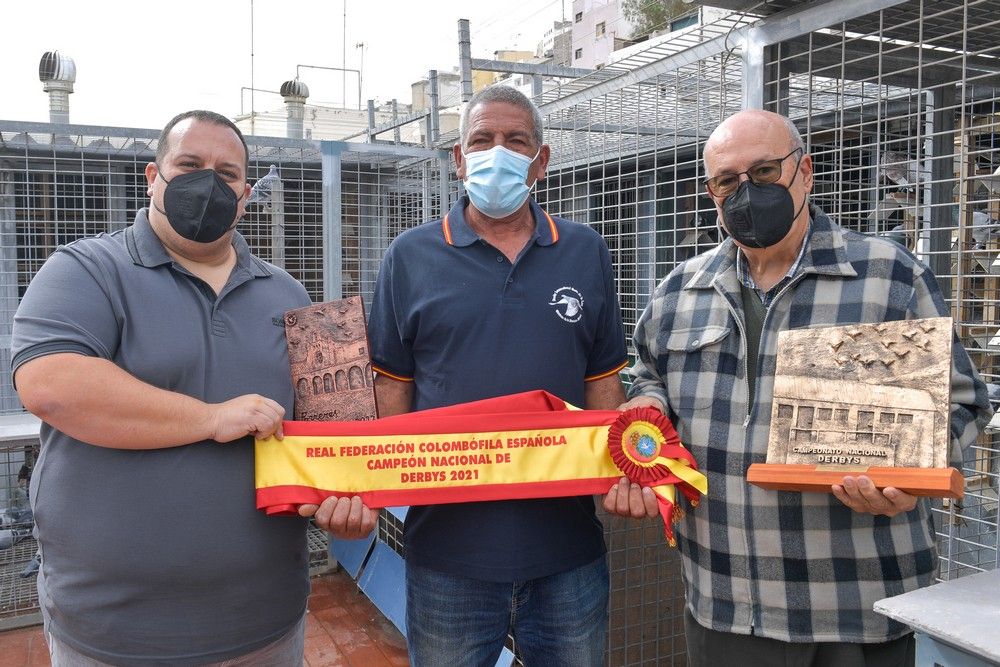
pixel 754 126
pixel 769 146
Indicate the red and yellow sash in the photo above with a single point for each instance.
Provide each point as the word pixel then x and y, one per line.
pixel 530 445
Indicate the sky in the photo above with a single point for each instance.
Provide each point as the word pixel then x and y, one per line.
pixel 140 63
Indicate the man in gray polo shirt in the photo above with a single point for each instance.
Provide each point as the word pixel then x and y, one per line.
pixel 153 355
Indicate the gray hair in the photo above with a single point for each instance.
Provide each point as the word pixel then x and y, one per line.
pixel 793 135
pixel 507 95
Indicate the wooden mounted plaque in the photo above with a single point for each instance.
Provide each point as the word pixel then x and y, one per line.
pixel 330 363
pixel 867 399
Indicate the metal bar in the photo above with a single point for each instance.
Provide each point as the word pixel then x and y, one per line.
pixel 336 69
pixel 333 233
pixel 395 120
pixel 645 243
pixel 641 74
pixel 941 132
pixel 433 122
pixel 783 25
pixel 444 172
pixel 70 129
pixel 277 205
pixel 396 124
pixel 542 69
pixel 371 119
pixel 465 58
pixel 787 25
pixel 618 129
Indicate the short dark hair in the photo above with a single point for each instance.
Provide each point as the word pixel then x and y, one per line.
pixel 163 144
pixel 507 95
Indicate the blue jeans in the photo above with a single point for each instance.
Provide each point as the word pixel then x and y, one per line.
pixel 556 620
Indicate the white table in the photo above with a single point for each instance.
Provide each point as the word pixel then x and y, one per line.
pixel 956 623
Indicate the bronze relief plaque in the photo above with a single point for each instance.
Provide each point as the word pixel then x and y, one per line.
pixel 863 395
pixel 330 364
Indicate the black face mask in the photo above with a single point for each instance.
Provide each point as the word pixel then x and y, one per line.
pixel 759 216
pixel 199 205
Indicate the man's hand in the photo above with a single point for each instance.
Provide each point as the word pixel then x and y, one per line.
pixel 860 494
pixel 250 414
pixel 345 518
pixel 642 402
pixel 631 500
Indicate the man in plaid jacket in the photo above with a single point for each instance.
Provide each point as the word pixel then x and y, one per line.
pixel 774 577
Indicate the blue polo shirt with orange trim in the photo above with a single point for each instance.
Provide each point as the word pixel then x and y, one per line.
pixel 453 315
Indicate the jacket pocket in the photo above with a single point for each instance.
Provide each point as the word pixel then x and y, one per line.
pixel 698 363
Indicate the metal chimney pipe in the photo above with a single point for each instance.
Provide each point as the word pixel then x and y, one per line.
pixel 294 93
pixel 57 73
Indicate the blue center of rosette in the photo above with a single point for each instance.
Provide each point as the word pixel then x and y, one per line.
pixel 646 446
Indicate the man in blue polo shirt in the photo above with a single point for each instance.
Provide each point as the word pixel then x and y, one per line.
pixel 500 297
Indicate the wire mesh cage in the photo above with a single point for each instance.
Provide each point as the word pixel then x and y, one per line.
pixel 899 105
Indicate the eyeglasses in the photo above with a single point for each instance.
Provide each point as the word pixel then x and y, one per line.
pixel 761 173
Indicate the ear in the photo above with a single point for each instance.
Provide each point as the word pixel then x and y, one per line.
pixel 456 152
pixel 242 208
pixel 806 172
pixel 151 171
pixel 544 153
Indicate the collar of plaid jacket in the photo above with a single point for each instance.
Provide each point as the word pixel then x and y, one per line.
pixel 825 254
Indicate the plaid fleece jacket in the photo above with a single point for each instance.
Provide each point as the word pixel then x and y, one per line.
pixel 790 566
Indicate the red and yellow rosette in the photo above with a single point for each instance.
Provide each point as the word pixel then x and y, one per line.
pixel 530 445
pixel 646 448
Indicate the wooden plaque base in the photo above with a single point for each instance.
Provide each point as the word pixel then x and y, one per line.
pixel 931 482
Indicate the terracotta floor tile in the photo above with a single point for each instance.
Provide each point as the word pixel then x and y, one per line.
pixel 38 655
pixel 319 601
pixel 367 656
pixel 324 654
pixel 336 617
pixel 15 652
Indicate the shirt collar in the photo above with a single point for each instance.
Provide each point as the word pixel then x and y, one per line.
pixel 146 249
pixel 743 265
pixel 458 233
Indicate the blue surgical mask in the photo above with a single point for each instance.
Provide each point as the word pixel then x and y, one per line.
pixel 495 180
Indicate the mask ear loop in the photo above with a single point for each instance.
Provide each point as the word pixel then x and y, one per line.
pixel 805 199
pixel 535 182
pixel 159 174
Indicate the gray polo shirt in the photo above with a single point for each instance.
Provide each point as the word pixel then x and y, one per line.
pixel 159 556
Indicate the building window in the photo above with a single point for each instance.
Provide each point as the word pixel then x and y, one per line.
pixel 578 17
pixel 684 22
pixel 600 29
pixel 577 54
pixel 356 378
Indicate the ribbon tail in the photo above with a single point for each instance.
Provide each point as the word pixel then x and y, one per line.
pixel 692 477
pixel 666 498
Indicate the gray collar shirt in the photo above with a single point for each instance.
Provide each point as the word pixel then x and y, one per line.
pixel 160 557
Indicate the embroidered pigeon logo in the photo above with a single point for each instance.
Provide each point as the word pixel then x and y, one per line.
pixel 568 303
